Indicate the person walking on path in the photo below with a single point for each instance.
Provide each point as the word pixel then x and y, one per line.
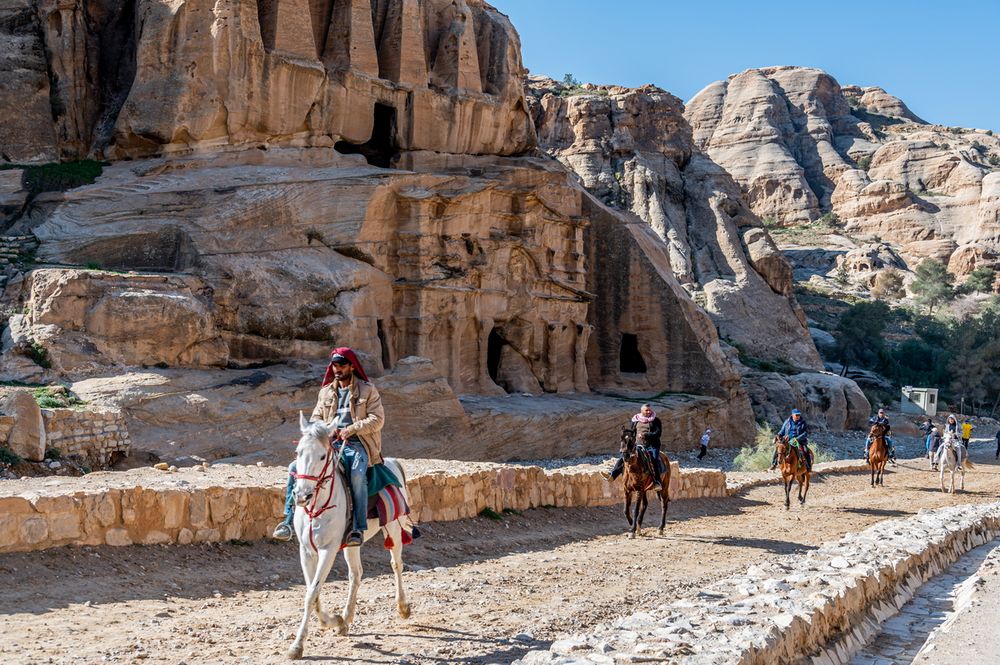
pixel 704 442
pixel 966 433
pixel 998 445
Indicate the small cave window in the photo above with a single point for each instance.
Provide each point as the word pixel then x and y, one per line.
pixel 380 149
pixel 384 343
pixel 630 359
pixel 494 350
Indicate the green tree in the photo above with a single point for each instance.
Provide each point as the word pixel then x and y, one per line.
pixel 980 280
pixel 859 334
pixel 933 284
pixel 570 81
pixel 888 285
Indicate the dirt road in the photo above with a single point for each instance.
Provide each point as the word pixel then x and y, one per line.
pixel 482 591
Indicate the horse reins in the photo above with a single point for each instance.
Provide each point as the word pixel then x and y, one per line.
pixel 311 511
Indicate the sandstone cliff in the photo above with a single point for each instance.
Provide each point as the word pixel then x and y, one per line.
pixel 802 146
pixel 289 177
pixel 633 149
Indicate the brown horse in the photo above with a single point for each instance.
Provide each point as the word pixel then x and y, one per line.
pixel 637 480
pixel 878 453
pixel 793 469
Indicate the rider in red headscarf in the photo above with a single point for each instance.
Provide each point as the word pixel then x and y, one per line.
pixel 353 407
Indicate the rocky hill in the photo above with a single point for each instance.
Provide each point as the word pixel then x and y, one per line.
pixel 890 188
pixel 634 150
pixel 280 179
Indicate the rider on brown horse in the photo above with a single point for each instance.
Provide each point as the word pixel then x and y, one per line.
pixel 797 431
pixel 647 429
pixel 880 419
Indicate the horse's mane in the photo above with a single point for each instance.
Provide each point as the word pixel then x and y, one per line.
pixel 316 430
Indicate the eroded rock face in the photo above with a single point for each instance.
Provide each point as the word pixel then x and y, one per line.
pixel 633 150
pixel 88 319
pixel 801 147
pixel 138 79
pixel 826 400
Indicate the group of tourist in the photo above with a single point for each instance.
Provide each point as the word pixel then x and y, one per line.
pixel 351 404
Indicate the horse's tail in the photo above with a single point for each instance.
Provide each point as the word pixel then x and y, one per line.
pixel 967 463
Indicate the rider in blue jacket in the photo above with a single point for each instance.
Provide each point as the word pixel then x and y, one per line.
pixel 796 429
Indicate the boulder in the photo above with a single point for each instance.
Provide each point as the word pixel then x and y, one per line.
pixel 826 400
pixel 27 435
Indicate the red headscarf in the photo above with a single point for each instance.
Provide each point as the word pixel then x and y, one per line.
pixel 351 357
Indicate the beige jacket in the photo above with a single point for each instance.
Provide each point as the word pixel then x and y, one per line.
pixel 366 412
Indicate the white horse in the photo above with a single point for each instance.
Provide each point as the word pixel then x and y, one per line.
pixel 321 518
pixel 953 457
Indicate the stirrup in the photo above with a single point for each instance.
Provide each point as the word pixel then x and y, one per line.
pixel 354 539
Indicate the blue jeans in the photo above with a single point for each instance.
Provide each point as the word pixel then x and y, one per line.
pixel 355 459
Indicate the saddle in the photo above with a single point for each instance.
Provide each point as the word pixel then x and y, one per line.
pixel 387 503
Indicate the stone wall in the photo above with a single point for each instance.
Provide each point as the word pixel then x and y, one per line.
pixel 96 436
pixel 789 611
pixel 197 506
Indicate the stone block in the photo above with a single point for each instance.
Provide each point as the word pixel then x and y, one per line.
pixel 185 536
pixel 118 537
pixel 27 435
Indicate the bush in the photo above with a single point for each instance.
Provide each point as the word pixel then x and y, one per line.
pixel 864 162
pixel 58 177
pixel 49 398
pixel 888 285
pixel 39 354
pixel 9 458
pixel 994 160
pixel 53 453
pixel 758 456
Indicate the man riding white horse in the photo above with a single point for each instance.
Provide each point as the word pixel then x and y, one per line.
pixel 353 408
pixel 880 419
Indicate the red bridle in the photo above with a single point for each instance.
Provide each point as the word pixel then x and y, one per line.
pixel 313 511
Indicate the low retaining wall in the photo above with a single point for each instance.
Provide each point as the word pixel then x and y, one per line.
pixel 96 436
pixel 788 612
pixel 230 502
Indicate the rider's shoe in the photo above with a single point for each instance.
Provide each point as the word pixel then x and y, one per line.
pixel 657 487
pixel 354 539
pixel 282 532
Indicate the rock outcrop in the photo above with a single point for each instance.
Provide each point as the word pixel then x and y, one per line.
pixel 634 150
pixel 801 147
pixel 285 178
pixel 122 79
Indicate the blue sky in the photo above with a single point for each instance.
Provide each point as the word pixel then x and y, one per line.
pixel 941 58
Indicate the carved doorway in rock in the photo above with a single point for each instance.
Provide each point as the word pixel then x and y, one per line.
pixel 630 358
pixel 494 353
pixel 381 148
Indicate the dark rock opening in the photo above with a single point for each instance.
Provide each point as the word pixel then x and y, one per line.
pixel 384 343
pixel 267 17
pixel 494 351
pixel 380 149
pixel 631 361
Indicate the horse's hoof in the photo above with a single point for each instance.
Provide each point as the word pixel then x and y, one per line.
pixel 660 531
pixel 404 610
pixel 295 652
pixel 631 535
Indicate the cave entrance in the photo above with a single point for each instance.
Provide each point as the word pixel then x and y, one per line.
pixel 630 359
pixel 494 350
pixel 381 147
pixel 384 343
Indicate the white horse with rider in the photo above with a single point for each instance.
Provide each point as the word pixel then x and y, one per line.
pixel 322 517
pixel 952 457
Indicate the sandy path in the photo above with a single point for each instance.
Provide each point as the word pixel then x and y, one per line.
pixel 482 591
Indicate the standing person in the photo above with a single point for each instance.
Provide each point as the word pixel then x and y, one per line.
pixel 704 442
pixel 353 407
pixel 998 445
pixel 966 433
pixel 647 429
pixel 796 429
pixel 933 443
